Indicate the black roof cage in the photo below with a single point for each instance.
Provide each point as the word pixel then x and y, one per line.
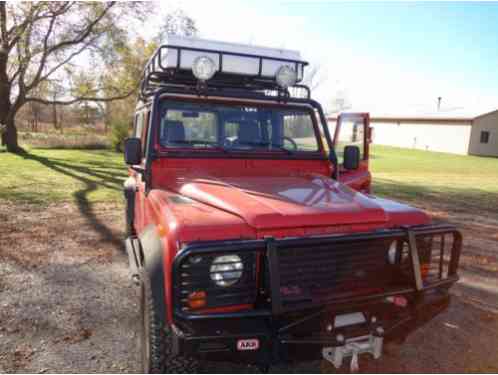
pixel 158 75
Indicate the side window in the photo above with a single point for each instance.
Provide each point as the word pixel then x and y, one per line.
pixel 298 129
pixel 145 129
pixel 139 124
pixel 484 136
pixel 351 133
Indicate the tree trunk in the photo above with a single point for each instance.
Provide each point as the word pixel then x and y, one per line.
pixel 9 133
pixel 7 116
pixel 11 137
pixel 54 115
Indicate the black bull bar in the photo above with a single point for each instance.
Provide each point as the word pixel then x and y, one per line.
pixel 271 250
pixel 279 325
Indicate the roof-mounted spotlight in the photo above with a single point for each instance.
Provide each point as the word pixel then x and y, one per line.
pixel 203 68
pixel 286 76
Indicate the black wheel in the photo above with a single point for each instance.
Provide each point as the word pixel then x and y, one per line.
pixel 155 338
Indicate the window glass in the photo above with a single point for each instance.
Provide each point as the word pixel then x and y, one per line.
pixel 237 128
pixel 299 131
pixel 145 129
pixel 188 128
pixel 351 133
pixel 139 123
pixel 484 137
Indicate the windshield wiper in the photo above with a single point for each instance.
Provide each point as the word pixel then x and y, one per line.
pixel 193 142
pixel 266 144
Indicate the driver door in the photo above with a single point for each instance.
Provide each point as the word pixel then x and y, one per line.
pixel 353 130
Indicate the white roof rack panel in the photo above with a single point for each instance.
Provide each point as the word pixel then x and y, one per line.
pixel 232 58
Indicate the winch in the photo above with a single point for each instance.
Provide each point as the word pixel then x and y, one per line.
pixel 354 346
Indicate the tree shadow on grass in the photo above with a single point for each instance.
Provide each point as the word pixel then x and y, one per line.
pixel 107 180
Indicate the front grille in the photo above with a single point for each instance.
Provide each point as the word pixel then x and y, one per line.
pixel 195 277
pixel 291 274
pixel 336 270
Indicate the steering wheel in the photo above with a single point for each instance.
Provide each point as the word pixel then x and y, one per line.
pixel 293 142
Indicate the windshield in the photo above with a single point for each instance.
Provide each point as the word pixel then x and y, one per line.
pixel 237 128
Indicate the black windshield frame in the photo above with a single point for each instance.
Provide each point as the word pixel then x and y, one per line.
pixel 312 108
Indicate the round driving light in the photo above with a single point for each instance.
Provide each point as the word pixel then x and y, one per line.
pixel 286 76
pixel 226 270
pixel 391 254
pixel 203 68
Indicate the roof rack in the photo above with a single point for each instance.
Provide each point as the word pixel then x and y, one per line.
pixel 171 67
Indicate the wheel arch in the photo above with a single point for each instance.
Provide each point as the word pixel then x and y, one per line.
pixel 152 259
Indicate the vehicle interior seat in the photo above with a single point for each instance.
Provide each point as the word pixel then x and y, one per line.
pixel 248 133
pixel 173 132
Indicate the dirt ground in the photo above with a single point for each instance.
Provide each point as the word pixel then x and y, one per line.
pixel 67 304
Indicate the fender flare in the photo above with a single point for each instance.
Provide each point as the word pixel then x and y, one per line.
pixel 152 264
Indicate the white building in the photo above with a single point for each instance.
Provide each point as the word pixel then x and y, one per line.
pixel 441 131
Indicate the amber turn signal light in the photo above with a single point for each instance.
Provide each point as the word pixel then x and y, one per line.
pixel 197 299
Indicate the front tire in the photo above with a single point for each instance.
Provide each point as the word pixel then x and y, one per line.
pixel 155 338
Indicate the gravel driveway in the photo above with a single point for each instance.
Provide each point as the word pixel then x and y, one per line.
pixel 67 305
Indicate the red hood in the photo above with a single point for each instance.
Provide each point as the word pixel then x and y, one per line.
pixel 284 202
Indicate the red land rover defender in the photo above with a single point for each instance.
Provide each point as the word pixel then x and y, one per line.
pixel 252 231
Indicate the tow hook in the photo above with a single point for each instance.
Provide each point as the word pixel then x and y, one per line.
pixel 353 347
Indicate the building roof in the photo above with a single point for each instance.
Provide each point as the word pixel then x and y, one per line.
pixel 448 115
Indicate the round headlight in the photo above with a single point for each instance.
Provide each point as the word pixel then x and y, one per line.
pixel 203 68
pixel 286 76
pixel 226 270
pixel 391 254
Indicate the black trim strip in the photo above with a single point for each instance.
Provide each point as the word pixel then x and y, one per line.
pixel 273 263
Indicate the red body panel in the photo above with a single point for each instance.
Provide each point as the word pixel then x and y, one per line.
pixel 247 199
pixel 196 199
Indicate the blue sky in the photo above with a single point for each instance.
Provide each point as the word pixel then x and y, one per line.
pixel 453 41
pixel 386 56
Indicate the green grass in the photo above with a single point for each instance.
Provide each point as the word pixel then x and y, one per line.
pixel 414 175
pixel 48 176
pixel 90 176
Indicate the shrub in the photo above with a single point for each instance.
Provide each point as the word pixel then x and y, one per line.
pixel 119 132
pixel 63 141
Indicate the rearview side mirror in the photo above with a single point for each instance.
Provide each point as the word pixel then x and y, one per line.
pixel 351 157
pixel 133 151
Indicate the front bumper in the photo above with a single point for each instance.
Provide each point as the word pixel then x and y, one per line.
pixel 288 330
pixel 301 337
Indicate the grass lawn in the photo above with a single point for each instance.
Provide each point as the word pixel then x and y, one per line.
pixel 44 176
pixel 413 175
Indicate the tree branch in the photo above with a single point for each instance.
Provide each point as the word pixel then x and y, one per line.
pixel 82 99
pixel 64 62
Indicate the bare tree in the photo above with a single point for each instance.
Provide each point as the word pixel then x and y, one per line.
pixel 178 22
pixel 314 77
pixel 40 41
pixel 340 101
